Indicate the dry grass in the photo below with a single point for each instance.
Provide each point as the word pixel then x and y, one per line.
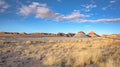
pixel 102 52
pixel 28 42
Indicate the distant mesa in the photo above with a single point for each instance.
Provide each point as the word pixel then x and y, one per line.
pixel 93 34
pixel 23 34
pixel 81 34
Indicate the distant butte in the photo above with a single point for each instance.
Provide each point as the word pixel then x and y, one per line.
pixel 93 34
pixel 81 34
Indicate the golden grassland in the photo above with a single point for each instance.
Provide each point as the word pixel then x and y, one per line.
pixel 104 52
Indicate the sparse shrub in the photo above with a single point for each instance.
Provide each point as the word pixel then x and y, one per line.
pixel 28 42
pixel 1 42
pixel 52 60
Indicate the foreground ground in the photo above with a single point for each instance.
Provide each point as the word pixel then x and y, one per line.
pixel 61 52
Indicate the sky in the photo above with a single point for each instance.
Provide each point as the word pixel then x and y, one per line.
pixel 53 16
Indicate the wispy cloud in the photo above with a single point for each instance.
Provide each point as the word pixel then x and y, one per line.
pixel 112 1
pixel 110 5
pixel 75 15
pixel 59 0
pixel 43 12
pixel 101 20
pixel 106 7
pixel 88 7
pixel 3 6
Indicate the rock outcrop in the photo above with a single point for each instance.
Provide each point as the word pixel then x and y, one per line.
pixel 93 34
pixel 81 34
pixel 70 34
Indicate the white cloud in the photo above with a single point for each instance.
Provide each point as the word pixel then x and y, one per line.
pixel 106 7
pixel 59 0
pixel 75 15
pixel 30 9
pixel 88 7
pixel 112 1
pixel 39 10
pixel 3 6
pixel 43 12
pixel 110 6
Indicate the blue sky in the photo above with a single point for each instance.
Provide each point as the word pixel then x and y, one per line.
pixel 53 16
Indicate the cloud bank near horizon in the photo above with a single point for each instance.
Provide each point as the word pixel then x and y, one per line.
pixel 43 12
